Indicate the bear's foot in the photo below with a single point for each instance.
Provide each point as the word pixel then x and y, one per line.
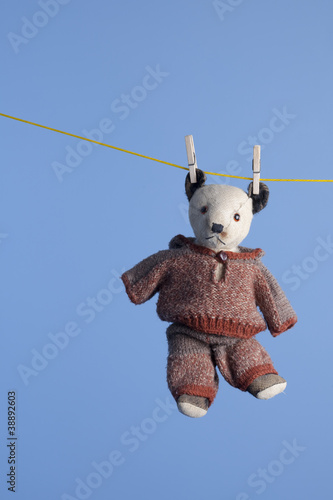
pixel 267 386
pixel 192 406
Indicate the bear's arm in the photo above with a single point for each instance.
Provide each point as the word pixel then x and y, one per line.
pixel 276 308
pixel 143 280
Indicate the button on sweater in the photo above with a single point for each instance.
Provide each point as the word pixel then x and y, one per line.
pixel 218 293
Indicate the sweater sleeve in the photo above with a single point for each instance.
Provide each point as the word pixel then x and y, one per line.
pixel 277 310
pixel 144 279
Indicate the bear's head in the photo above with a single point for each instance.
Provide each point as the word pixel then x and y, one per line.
pixel 221 215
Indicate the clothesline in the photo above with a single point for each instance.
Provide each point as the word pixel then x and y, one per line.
pixel 155 159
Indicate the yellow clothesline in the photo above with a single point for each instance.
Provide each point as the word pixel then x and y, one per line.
pixel 155 159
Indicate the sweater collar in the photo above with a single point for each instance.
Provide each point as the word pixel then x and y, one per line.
pixel 181 241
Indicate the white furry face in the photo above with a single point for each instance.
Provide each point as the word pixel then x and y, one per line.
pixel 220 216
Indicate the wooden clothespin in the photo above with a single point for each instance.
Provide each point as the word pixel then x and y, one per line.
pixel 191 158
pixel 256 169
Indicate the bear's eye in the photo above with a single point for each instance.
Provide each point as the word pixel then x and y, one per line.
pixel 236 217
pixel 204 209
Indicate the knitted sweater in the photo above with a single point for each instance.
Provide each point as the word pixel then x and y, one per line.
pixel 209 292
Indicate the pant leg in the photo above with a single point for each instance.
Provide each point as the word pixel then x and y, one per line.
pixel 190 368
pixel 241 361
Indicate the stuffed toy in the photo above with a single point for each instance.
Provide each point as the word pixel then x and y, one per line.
pixel 210 289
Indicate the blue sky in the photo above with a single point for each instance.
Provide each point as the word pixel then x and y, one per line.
pixel 94 415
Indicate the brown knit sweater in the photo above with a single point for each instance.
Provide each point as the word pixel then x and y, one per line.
pixel 209 292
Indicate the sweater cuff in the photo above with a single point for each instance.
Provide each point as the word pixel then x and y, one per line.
pixel 286 326
pixel 128 288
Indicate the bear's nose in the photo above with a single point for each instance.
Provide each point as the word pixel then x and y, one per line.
pixel 217 228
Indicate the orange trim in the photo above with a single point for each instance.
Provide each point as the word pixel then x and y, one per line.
pixel 195 390
pixel 257 252
pixel 286 325
pixel 254 373
pixel 128 287
pixel 221 326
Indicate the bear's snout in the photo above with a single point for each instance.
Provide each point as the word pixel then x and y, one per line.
pixel 217 228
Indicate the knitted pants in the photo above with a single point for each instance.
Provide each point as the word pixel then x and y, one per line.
pixel 193 357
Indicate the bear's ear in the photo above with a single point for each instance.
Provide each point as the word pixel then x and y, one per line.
pixel 190 188
pixel 259 200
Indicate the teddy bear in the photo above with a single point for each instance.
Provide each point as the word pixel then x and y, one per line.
pixel 217 295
